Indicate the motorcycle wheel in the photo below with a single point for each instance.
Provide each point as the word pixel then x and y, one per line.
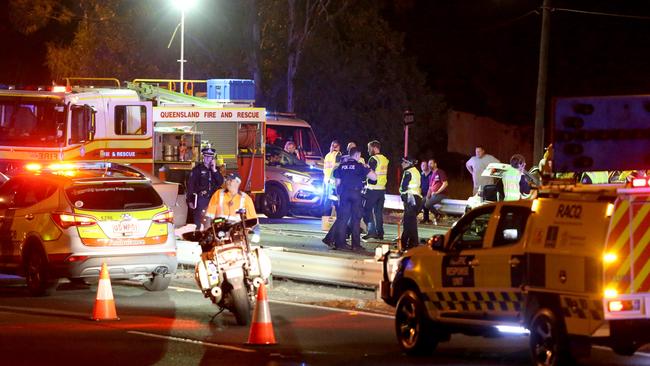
pixel 241 307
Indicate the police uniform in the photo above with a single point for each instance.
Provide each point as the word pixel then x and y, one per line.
pixel 352 175
pixel 202 183
pixel 375 196
pixel 410 187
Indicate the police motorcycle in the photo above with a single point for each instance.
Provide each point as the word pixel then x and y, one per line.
pixel 230 269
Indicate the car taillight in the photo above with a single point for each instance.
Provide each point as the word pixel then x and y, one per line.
pixel 164 217
pixel 66 220
pixel 76 258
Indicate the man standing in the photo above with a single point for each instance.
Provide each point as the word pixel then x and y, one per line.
pixel 204 180
pixel 412 198
pixel 477 164
pixel 437 190
pixel 331 161
pixel 515 185
pixel 350 176
pixel 376 192
pixel 425 180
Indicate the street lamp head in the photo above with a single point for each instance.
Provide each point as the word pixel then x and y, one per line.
pixel 184 4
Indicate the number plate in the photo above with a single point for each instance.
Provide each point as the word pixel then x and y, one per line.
pixel 125 227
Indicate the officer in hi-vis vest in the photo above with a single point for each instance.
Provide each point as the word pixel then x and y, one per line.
pixel 375 192
pixel 412 198
pixel 515 185
pixel 330 163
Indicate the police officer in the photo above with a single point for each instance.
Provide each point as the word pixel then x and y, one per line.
pixel 350 177
pixel 412 198
pixel 204 180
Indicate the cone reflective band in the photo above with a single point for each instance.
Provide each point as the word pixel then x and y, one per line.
pixel 261 331
pixel 104 308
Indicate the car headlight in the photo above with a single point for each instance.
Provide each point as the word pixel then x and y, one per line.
pixel 298 178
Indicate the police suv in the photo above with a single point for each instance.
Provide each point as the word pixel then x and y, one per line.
pixel 570 268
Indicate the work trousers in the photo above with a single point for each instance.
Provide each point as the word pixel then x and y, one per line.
pixel 432 201
pixel 201 204
pixel 410 236
pixel 374 211
pixel 349 210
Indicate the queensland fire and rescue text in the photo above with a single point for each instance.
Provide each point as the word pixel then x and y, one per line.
pixel 209 115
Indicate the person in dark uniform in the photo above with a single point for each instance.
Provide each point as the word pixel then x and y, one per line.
pixel 204 180
pixel 350 178
pixel 412 198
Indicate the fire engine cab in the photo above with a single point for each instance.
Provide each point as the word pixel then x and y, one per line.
pixel 146 124
pixel 570 268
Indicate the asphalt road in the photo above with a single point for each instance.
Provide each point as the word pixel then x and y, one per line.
pixel 174 328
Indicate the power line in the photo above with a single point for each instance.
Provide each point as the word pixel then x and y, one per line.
pixel 641 17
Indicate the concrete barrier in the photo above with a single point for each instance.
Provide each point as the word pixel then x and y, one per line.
pixel 448 206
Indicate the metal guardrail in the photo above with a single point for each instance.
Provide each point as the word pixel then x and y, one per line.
pixel 448 206
pixel 306 266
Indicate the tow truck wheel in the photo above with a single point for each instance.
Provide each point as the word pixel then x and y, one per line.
pixel 548 340
pixel 275 203
pixel 413 328
pixel 37 275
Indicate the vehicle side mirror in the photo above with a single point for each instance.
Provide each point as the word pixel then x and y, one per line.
pixel 437 242
pixel 193 236
pixel 89 115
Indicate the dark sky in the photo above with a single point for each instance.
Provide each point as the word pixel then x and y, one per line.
pixel 482 54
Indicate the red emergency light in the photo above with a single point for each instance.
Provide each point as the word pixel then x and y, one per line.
pixel 640 182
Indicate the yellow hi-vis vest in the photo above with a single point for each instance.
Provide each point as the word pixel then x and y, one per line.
pixel 414 183
pixel 511 178
pixel 329 164
pixel 382 172
pixel 598 177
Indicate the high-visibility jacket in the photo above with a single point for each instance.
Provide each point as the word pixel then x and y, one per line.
pixel 224 204
pixel 598 177
pixel 382 172
pixel 414 183
pixel 329 164
pixel 511 190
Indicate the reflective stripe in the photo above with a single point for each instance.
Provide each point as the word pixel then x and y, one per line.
pixel 382 172
pixel 414 183
pixel 242 202
pixel 511 178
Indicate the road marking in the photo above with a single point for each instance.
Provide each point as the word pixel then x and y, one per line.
pixel 193 341
pixel 642 354
pixel 298 304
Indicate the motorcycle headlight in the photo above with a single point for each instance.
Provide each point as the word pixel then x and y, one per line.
pixel 298 178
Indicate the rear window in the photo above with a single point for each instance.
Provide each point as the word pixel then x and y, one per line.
pixel 113 196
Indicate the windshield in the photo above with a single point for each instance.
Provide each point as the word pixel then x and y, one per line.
pixel 277 156
pixel 113 196
pixel 303 137
pixel 30 122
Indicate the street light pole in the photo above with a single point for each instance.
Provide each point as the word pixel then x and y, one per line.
pixel 182 60
pixel 540 101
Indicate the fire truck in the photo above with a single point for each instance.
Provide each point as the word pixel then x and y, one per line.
pixel 146 124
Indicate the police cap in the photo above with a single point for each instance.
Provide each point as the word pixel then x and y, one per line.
pixel 208 151
pixel 409 160
pixel 233 176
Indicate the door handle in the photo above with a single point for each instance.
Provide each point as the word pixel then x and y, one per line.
pixel 514 262
pixel 474 263
pixel 29 217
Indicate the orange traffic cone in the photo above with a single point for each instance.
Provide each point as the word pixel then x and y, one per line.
pixel 104 308
pixel 261 329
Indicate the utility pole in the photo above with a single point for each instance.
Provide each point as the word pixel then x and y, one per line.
pixel 540 102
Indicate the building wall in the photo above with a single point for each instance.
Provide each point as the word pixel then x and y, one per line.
pixel 465 131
